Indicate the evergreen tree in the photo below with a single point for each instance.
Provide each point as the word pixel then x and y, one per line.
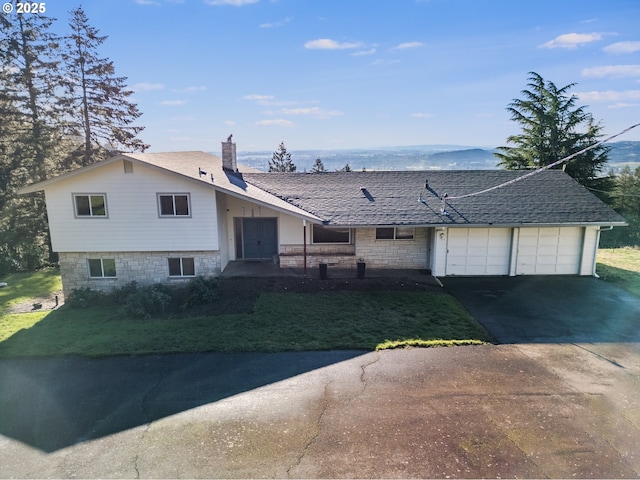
pixel 281 160
pixel 29 135
pixel 346 168
pixel 553 127
pixel 318 167
pixel 97 101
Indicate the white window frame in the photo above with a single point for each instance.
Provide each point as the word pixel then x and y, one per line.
pixel 181 259
pixel 91 214
pixel 102 269
pixel 395 234
pixel 173 196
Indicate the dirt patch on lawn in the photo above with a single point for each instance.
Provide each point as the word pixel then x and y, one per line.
pixel 38 303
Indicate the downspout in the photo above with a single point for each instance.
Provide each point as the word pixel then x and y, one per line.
pixel 304 244
pixel 597 244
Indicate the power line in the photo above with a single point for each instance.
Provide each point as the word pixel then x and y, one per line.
pixel 546 167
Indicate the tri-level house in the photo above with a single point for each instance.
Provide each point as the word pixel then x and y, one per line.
pixel 167 217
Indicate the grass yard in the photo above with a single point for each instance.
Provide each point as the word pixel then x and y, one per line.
pixel 620 266
pixel 277 321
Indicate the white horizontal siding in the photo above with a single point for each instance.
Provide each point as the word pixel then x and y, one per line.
pixel 133 223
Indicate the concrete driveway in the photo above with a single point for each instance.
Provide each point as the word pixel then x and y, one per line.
pixel 519 410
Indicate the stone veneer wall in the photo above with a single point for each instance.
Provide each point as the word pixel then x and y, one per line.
pixel 146 268
pixel 292 256
pixel 412 254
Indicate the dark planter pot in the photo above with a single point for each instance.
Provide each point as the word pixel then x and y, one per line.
pixel 361 267
pixel 323 271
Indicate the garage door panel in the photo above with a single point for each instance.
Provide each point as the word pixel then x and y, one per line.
pixel 478 251
pixel 549 251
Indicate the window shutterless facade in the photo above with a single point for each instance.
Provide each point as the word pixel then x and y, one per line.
pixel 331 235
pixel 182 267
pixel 174 205
pixel 395 233
pixel 101 267
pixel 88 205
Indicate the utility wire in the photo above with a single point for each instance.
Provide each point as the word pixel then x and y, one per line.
pixel 546 167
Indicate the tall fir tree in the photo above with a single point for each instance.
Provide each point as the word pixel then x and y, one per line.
pixel 318 166
pixel 281 160
pixel 30 136
pixel 553 127
pixel 99 110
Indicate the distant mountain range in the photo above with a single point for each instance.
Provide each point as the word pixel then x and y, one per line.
pixel 420 157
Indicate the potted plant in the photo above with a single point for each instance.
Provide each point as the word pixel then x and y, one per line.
pixel 361 267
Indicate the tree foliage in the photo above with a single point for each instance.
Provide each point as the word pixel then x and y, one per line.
pixel 38 111
pixel 625 199
pixel 97 101
pixel 281 160
pixel 553 127
pixel 318 167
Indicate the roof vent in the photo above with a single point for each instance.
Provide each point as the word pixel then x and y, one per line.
pixel 363 189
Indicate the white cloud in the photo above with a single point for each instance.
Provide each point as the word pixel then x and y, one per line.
pixel 192 89
pixel 234 3
pixel 147 87
pixel 328 44
pixel 229 123
pixel 258 98
pixel 280 122
pixel 147 2
pixel 421 115
pixel 360 53
pixel 407 45
pixel 572 40
pixel 612 71
pixel 624 105
pixel 620 48
pixel 312 111
pixel 281 23
pixel 172 103
pixel 609 96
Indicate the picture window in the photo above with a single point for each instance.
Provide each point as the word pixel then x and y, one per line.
pixel 331 235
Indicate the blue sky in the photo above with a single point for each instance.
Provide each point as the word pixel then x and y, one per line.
pixel 332 74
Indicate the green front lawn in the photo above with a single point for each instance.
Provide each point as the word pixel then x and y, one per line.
pixel 620 266
pixel 279 322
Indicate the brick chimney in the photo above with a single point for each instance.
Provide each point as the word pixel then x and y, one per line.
pixel 229 161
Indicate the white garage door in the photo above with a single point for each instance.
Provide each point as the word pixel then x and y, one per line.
pixel 478 251
pixel 549 251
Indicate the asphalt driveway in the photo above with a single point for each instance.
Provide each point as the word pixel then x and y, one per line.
pixel 549 406
pixel 558 309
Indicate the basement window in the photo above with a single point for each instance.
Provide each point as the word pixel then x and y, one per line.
pixel 102 267
pixel 182 267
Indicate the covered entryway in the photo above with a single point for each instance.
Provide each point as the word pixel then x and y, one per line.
pixel 258 238
pixel 478 251
pixel 550 251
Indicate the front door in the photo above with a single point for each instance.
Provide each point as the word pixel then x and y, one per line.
pixel 260 237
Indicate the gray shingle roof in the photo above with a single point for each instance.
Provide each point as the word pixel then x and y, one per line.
pixel 550 197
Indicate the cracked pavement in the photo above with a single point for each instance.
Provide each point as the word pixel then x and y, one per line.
pixel 534 410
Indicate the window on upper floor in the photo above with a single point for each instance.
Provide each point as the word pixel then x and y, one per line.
pixel 182 267
pixel 395 233
pixel 174 204
pixel 90 204
pixel 102 267
pixel 331 235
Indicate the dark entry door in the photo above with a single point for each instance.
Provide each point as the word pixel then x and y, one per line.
pixel 260 237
